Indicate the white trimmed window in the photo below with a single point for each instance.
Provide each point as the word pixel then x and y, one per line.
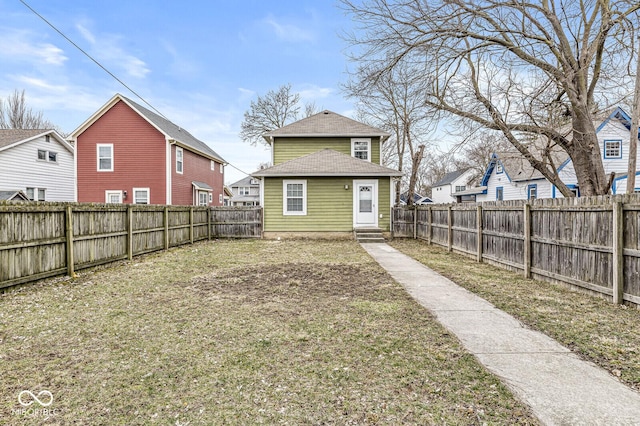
pixel 361 148
pixel 179 160
pixel 294 200
pixel 243 190
pixel 50 156
pixel 213 165
pixel 221 168
pixel 613 149
pixel 113 197
pixel 36 194
pixel 499 169
pixel 105 157
pixel 141 196
pixel 220 198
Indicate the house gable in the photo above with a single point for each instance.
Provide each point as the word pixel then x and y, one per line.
pixel 139 156
pixel 40 163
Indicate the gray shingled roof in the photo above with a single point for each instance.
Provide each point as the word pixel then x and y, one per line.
pixel 13 195
pixel 450 177
pixel 11 136
pixel 245 181
pixel 327 162
pixel 174 132
pixel 327 123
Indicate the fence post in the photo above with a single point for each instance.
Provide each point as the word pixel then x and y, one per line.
pixel 618 253
pixel 479 238
pixel 449 228
pixel 527 241
pixel 209 223
pixel 429 227
pixel 166 227
pixel 69 232
pixel 191 224
pixel 130 231
pixel 415 222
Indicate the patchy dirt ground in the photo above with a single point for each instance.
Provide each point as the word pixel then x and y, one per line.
pixel 241 332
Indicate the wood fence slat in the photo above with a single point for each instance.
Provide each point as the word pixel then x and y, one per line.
pixel 592 243
pixel 48 239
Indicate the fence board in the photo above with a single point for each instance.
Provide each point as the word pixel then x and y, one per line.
pixel 568 240
pixel 34 236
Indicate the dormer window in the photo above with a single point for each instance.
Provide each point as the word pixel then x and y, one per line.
pixel 499 168
pixel 361 148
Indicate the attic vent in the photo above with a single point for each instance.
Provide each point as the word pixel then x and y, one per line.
pixel 326 112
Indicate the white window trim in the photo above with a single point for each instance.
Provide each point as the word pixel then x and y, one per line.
pixel 181 151
pixel 133 195
pixel 286 182
pixel 611 141
pixel 110 146
pixel 213 165
pixel 221 168
pixel 367 140
pixel 108 193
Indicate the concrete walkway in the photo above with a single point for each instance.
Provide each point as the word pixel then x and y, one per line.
pixel 560 388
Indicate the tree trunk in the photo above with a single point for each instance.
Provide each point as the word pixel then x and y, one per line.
pixel 586 155
pixel 417 158
pixel 633 139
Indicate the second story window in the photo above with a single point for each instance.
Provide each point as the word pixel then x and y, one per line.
pixel 460 188
pixel 361 148
pixel 612 149
pixel 179 160
pixel 44 155
pixel 243 190
pixel 105 157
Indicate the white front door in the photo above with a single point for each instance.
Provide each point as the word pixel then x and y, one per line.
pixel 365 203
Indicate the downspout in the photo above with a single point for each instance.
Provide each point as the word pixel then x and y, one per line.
pixel 168 197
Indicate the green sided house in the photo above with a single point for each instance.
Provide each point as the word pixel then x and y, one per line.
pixel 326 178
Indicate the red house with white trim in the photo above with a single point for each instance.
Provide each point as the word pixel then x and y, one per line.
pixel 126 153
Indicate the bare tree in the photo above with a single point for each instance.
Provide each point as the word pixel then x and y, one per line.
pixel 633 140
pixel 394 102
pixel 525 69
pixel 14 114
pixel 272 111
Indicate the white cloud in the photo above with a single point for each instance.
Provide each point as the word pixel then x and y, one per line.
pixel 20 45
pixel 85 33
pixel 106 48
pixel 311 92
pixel 289 32
pixel 38 83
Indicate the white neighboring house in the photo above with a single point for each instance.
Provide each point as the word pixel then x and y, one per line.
pixel 246 192
pixel 510 177
pixel 37 162
pixel 445 189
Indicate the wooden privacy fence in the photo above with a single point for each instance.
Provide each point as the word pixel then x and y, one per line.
pixel 40 240
pixel 589 242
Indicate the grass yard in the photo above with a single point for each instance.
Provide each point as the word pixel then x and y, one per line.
pixel 239 332
pixel 604 333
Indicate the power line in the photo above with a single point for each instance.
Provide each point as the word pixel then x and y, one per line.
pixel 94 60
pixel 107 71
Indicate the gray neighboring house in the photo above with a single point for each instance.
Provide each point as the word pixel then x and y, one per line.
pixel 246 192
pixel 444 191
pixel 15 195
pixel 38 162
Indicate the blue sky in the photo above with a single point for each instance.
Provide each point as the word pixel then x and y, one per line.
pixel 199 62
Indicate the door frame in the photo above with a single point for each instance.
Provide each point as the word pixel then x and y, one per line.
pixel 374 183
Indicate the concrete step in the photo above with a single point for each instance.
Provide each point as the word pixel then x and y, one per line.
pixel 369 235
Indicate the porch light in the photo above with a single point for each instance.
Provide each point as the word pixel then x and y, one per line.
pixel 346 186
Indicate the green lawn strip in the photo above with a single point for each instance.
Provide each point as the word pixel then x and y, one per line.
pixel 240 332
pixel 598 330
